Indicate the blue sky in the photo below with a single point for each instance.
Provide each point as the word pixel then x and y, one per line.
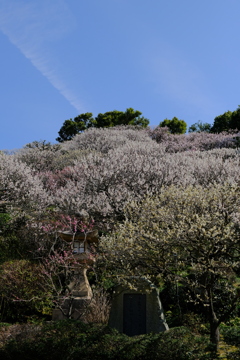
pixel 165 58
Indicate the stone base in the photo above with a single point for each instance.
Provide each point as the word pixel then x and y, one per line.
pixel 71 309
pixel 78 296
pixel 79 287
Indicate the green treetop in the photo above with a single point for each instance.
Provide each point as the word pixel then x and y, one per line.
pixel 72 127
pixel 175 125
pixel 227 121
pixel 200 127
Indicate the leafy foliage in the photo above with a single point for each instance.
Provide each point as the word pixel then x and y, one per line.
pixel 74 340
pixel 222 122
pixel 228 121
pixel 175 125
pixel 22 291
pixel 85 121
pixel 199 127
pixel 231 335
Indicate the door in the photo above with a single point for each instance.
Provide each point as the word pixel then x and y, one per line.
pixel 134 314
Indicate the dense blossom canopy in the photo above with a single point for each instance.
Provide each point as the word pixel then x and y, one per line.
pixel 101 170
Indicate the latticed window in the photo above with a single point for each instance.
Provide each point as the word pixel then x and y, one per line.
pixel 78 247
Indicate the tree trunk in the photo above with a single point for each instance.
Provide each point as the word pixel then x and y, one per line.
pixel 214 332
pixel 214 322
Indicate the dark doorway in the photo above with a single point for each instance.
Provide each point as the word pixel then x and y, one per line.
pixel 134 314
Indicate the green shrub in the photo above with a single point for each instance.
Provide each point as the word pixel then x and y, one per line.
pixel 72 340
pixel 231 335
pixel 22 292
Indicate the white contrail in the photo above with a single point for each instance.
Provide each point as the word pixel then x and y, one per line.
pixel 30 26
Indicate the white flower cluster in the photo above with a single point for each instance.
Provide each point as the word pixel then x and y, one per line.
pixel 101 170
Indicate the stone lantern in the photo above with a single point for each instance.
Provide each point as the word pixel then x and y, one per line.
pixel 82 258
pixel 82 244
